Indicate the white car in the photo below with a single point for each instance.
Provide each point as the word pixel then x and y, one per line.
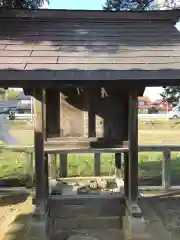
pixel 174 113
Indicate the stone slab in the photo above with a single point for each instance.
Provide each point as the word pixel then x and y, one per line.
pixel 86 205
pixel 88 223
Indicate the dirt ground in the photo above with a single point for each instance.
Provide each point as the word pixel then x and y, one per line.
pixel 15 211
pixel 167 208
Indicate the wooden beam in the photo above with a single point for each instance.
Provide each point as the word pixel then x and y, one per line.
pixel 53 112
pixel 136 78
pixel 133 146
pixel 40 163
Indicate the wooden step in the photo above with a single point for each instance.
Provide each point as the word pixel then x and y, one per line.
pixel 109 205
pixel 97 223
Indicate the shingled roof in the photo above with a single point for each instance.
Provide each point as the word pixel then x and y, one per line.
pixel 89 45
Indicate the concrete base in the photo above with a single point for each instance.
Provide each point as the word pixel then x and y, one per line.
pixel 96 216
pixel 37 226
pixel 87 205
pixel 134 224
pixel 36 230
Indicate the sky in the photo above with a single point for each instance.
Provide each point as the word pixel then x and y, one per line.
pixel 152 92
pixel 77 4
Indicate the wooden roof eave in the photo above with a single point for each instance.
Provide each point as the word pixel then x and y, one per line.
pixel 45 77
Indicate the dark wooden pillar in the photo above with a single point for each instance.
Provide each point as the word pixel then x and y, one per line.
pixel 118 164
pixel 91 122
pixel 125 138
pixel 97 164
pixel 124 128
pixel 63 165
pixel 91 113
pixel 126 175
pixel 41 175
pixel 53 112
pixel 133 146
pixel 44 114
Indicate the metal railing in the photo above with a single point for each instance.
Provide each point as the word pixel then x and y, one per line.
pixel 63 158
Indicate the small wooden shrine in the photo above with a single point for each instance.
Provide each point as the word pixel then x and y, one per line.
pixel 81 66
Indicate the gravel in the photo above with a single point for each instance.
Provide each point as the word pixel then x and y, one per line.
pixel 168 209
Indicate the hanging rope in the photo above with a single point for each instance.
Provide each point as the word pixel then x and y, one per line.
pixel 103 93
pixel 79 90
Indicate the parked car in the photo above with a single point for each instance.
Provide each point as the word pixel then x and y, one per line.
pixel 7 111
pixel 4 110
pixel 24 106
pixel 174 113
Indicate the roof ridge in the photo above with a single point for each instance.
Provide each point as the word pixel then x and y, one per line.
pixel 92 15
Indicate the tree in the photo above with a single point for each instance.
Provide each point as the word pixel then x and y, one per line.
pixel 172 94
pixel 140 5
pixel 120 5
pixel 12 95
pixel 30 4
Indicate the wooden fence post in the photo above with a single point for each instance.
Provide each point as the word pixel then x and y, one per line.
pixel 53 166
pixel 97 164
pixel 29 169
pixel 63 164
pixel 118 164
pixel 166 169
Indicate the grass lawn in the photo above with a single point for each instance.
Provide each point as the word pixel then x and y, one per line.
pixel 150 133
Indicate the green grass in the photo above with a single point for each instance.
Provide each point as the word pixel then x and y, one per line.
pixel 82 164
pixel 12 165
pixel 150 165
pixel 151 133
pixel 159 124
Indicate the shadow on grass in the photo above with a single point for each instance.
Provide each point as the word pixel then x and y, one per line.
pixel 12 182
pixel 26 225
pixel 18 227
pixel 12 196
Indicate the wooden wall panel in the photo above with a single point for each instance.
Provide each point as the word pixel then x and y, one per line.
pixel 72 123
